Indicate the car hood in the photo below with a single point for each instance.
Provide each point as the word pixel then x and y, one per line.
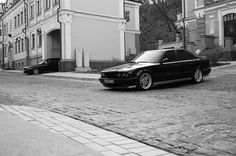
pixel 128 67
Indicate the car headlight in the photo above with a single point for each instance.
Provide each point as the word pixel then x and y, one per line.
pixel 123 75
pixel 102 75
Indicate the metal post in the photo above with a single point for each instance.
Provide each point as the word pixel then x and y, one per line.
pixel 184 32
pixel 3 47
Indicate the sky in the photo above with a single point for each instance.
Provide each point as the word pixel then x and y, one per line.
pixel 2 1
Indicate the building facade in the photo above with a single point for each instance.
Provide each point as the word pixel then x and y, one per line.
pixel 209 23
pixel 32 30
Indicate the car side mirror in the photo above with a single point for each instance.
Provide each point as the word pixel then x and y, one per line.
pixel 164 60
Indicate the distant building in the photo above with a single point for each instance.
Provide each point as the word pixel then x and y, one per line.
pixel 209 24
pixel 32 30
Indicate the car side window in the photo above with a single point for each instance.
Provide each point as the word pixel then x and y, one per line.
pixel 49 61
pixel 185 55
pixel 170 55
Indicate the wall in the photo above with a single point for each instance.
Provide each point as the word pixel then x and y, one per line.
pixel 100 37
pixel 132 28
pixel 130 25
pixel 101 7
pixel 54 44
pixel 192 26
pixel 130 44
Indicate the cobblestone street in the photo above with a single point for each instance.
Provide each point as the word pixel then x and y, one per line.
pixel 184 118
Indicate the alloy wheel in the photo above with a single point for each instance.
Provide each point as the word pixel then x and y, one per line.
pixel 145 81
pixel 36 71
pixel 198 76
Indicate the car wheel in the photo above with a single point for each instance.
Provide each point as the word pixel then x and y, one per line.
pixel 36 71
pixel 144 81
pixel 197 76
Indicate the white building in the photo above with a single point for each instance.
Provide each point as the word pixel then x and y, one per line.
pixel 33 30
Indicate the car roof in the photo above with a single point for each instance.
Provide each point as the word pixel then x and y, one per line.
pixel 167 49
pixel 53 59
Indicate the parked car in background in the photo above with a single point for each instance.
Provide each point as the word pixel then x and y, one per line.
pixel 47 65
pixel 156 66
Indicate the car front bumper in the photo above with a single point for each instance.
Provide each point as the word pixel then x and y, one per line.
pixel 113 83
pixel 27 71
pixel 206 71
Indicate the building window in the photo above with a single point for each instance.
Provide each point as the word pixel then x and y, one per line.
pixel 39 9
pixel 199 3
pixel 47 6
pixel 22 44
pixel 18 19
pixel 22 18
pixel 5 51
pixel 39 39
pixel 32 41
pixel 127 16
pixel 32 11
pixel 15 22
pixel 11 26
pixel 212 27
pixel 26 17
pixel 16 47
pixel 56 2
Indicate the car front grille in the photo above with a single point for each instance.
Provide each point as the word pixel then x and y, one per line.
pixel 110 75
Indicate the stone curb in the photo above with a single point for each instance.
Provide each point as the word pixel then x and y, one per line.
pixel 233 63
pixel 71 77
pixel 105 142
pixel 11 71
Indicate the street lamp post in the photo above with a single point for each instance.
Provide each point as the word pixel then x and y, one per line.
pixel 24 30
pixel 184 32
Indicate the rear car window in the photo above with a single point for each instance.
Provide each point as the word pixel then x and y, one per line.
pixel 170 55
pixel 185 55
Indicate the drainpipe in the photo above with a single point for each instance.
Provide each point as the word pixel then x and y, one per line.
pixel 58 20
pixel 184 31
pixel 24 30
pixel 2 43
pixel 124 30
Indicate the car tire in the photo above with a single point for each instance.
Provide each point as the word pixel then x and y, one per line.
pixel 197 76
pixel 144 81
pixel 36 71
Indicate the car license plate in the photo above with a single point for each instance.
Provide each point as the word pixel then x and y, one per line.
pixel 109 81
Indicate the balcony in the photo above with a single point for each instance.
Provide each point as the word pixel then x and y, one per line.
pixel 210 2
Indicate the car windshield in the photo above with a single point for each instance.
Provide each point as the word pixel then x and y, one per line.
pixel 42 62
pixel 153 56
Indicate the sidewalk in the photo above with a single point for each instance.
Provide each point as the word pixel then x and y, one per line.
pixel 44 133
pixel 19 138
pixel 74 75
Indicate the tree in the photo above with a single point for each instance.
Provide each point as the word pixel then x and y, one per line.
pixel 157 18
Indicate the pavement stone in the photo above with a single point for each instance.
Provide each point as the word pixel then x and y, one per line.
pixel 206 114
pixel 21 138
pixel 105 142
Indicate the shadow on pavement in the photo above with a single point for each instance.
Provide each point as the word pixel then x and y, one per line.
pixel 175 85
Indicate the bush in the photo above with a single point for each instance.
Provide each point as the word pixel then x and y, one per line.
pixel 99 66
pixel 214 55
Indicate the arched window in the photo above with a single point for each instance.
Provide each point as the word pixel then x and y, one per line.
pixel 230 26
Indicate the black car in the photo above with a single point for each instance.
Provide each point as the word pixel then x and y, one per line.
pixel 47 65
pixel 155 66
